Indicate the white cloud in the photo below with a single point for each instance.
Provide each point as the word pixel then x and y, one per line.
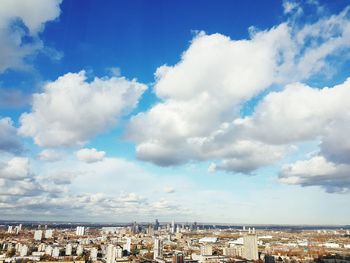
pixel 71 110
pixel 90 155
pixel 16 168
pixel 50 155
pixel 9 141
pixel 23 19
pixel 317 171
pixel 198 116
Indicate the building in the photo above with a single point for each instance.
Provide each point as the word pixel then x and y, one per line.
pixel 127 246
pixel 48 233
pixel 38 234
pixel 69 249
pixel 56 252
pixel 233 251
pixel 250 244
pixel 110 254
pixel 9 229
pixel 48 250
pixel 24 251
pixel 206 250
pixel 157 248
pixel 156 225
pixel 119 252
pixel 93 254
pixel 178 257
pixel 80 231
pixel 80 250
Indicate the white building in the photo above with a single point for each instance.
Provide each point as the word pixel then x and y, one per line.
pixel 69 249
pixel 110 254
pixel 9 229
pixel 24 251
pixel 127 246
pixel 233 251
pixel 80 231
pixel 48 250
pixel 48 233
pixel 93 254
pixel 80 250
pixel 41 247
pixel 206 250
pixel 157 249
pixel 119 252
pixel 38 234
pixel 56 252
pixel 250 244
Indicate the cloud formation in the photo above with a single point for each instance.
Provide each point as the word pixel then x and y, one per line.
pixel 90 155
pixel 72 110
pixel 21 21
pixel 199 116
pixel 9 141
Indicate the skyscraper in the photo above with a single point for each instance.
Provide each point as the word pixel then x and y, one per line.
pixel 68 250
pixel 38 234
pixel 80 231
pixel 157 249
pixel 250 243
pixel 156 225
pixel 110 254
pixel 127 246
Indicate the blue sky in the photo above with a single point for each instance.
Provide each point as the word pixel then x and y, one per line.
pixel 225 111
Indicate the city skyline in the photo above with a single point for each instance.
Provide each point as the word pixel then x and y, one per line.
pixel 231 112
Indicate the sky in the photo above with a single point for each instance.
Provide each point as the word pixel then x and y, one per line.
pixel 210 111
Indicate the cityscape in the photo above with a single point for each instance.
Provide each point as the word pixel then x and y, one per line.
pixel 174 131
pixel 172 242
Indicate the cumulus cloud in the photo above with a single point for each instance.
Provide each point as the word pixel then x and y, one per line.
pixel 19 20
pixel 9 141
pixel 201 97
pixel 90 155
pixel 317 171
pixel 71 110
pixel 16 168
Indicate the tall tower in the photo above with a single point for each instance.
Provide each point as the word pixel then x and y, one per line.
pixel 157 249
pixel 250 244
pixel 110 254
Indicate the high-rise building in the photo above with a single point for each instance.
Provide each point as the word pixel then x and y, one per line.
pixel 178 257
pixel 48 250
pixel 24 251
pixel 119 252
pixel 80 250
pixel 157 249
pixel 56 252
pixel 80 231
pixel 172 227
pixel 110 254
pixel 156 225
pixel 69 249
pixel 93 254
pixel 41 247
pixel 9 229
pixel 127 246
pixel 48 233
pixel 38 234
pixel 250 243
